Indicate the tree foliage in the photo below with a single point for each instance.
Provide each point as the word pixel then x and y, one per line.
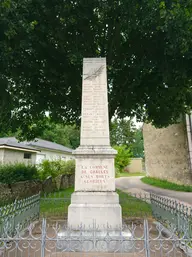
pixel 123 157
pixel 16 172
pixel 67 135
pixel 42 44
pixel 137 147
pixel 124 132
pixel 55 168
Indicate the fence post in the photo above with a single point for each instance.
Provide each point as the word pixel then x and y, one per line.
pixel 190 223
pixel 15 209
pixel 43 237
pixel 146 238
pixel 39 202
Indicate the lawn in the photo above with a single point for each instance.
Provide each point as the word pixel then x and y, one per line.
pixel 134 207
pixel 127 174
pixel 56 205
pixel 165 184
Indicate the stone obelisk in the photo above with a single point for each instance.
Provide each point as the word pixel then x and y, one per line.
pixel 94 199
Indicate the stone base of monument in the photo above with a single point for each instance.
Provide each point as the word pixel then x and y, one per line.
pixel 95 222
pixel 102 208
pixel 95 241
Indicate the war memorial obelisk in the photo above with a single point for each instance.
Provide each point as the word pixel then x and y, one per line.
pixel 94 199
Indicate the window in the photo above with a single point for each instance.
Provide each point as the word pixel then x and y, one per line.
pixel 27 155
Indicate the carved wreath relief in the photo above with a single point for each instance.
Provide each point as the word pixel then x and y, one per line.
pixel 94 73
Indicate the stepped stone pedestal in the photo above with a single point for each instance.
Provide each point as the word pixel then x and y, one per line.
pixel 95 200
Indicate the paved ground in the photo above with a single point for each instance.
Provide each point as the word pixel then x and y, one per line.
pixel 134 185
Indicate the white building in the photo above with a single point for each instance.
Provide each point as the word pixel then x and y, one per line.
pixel 50 150
pixel 32 152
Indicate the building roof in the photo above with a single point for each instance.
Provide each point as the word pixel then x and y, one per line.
pixel 35 145
pixel 12 142
pixel 40 143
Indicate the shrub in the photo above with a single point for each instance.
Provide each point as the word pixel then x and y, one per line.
pixel 117 173
pixel 12 173
pixel 54 168
pixel 123 157
pixel 69 167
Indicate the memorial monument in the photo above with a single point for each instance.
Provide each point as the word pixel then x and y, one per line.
pixel 94 199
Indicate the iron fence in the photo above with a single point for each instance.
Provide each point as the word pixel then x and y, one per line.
pixel 57 239
pixel 136 207
pixel 172 214
pixel 55 205
pixel 19 214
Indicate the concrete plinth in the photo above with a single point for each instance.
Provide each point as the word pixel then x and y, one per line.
pixel 99 209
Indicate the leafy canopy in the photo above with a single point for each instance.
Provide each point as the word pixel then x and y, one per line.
pixel 137 147
pixel 67 135
pixel 124 132
pixel 42 44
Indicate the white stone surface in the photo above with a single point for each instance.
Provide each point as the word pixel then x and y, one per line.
pixel 94 198
pixel 94 173
pixel 95 120
pixel 101 209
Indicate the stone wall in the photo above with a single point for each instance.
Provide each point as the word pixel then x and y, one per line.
pixel 19 190
pixel 166 153
pixel 26 188
pixel 9 193
pixel 48 185
pixel 64 181
pixel 136 165
pixel 5 193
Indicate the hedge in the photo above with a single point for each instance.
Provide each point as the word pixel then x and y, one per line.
pixel 12 173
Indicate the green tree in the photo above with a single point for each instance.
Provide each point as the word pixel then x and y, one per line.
pixel 42 43
pixel 67 135
pixel 122 131
pixel 7 134
pixel 137 147
pixel 123 157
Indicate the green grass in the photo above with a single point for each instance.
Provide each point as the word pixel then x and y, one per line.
pixel 165 184
pixel 127 174
pixel 56 205
pixel 58 194
pixel 133 207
